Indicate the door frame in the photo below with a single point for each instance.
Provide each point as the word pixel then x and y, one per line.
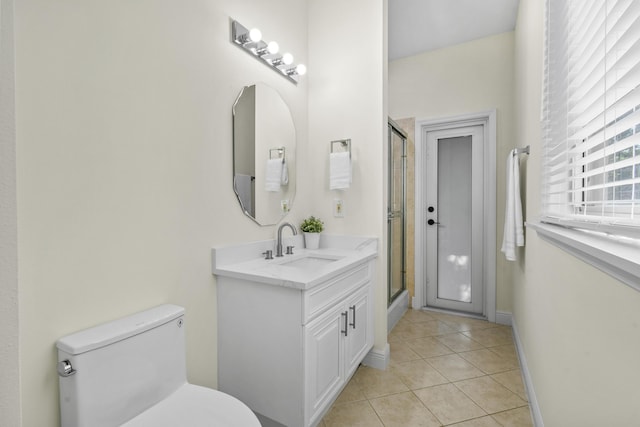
pixel 486 119
pixel 434 234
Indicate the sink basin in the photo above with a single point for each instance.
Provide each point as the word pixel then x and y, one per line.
pixel 310 262
pixel 303 270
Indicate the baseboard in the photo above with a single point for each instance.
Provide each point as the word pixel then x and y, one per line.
pixel 504 318
pixel 536 415
pixel 415 304
pixel 397 309
pixel 378 359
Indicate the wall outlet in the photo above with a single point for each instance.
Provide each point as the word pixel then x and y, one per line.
pixel 338 208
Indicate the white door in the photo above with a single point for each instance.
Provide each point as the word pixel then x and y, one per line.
pixel 455 219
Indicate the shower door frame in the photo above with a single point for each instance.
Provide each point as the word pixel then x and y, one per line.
pixel 487 120
pixel 392 214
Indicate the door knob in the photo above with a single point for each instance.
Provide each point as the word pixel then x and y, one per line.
pixel 431 209
pixel 431 222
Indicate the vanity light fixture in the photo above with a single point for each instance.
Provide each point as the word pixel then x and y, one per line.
pixel 252 36
pixel 251 41
pixel 287 59
pixel 271 48
pixel 299 70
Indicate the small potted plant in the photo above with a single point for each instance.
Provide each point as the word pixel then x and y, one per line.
pixel 312 227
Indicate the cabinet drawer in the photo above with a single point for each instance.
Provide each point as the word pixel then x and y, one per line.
pixel 326 295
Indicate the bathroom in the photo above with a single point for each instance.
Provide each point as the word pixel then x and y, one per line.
pixel 116 148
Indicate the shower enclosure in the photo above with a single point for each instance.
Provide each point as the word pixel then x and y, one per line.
pixel 396 220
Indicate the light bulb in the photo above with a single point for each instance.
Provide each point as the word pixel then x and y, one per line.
pixel 255 35
pixel 301 69
pixel 273 48
pixel 287 59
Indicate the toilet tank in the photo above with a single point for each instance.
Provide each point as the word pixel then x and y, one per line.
pixel 122 367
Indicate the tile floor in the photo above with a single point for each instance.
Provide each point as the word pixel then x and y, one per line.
pixel 444 370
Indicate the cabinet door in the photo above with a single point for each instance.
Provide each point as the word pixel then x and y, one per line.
pixel 360 335
pixel 324 346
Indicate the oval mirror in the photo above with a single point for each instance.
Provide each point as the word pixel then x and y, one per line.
pixel 264 154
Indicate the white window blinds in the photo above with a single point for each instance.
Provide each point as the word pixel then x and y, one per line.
pixel 591 115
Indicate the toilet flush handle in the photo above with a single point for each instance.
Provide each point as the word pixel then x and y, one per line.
pixel 65 369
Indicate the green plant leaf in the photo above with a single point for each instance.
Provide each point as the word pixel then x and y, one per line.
pixel 312 225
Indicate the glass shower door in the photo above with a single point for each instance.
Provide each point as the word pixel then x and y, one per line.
pixel 396 213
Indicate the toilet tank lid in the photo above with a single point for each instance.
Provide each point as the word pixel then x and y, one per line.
pixel 116 330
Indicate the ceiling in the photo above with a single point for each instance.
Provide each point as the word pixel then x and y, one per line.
pixel 417 26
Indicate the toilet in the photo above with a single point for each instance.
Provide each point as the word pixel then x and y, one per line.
pixel 132 372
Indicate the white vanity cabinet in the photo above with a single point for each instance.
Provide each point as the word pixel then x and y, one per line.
pixel 287 352
pixel 335 344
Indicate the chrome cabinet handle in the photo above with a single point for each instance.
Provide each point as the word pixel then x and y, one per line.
pixel 353 309
pixel 346 320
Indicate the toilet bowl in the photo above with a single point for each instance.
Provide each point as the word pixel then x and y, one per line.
pixel 132 372
pixel 196 406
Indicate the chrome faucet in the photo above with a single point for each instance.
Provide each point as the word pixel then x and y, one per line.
pixel 279 243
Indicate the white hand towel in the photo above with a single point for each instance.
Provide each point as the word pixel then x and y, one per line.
pixel 513 225
pixel 284 180
pixel 339 171
pixel 273 176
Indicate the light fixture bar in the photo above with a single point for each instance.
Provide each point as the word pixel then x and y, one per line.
pixel 250 41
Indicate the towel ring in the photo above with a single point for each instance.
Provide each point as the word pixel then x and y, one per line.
pixel 280 152
pixel 341 146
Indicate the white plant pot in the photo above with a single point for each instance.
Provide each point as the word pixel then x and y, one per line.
pixel 311 240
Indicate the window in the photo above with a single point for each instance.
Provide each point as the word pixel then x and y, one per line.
pixel 591 115
pixel 591 133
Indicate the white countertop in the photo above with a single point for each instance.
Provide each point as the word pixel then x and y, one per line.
pixel 336 255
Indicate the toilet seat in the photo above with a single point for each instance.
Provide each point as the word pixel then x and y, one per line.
pixel 196 406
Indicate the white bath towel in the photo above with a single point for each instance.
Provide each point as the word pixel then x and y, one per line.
pixel 513 225
pixel 339 171
pixel 273 175
pixel 244 189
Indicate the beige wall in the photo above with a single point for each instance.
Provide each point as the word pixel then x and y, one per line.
pixel 124 165
pixel 466 78
pixel 9 326
pixel 124 158
pixel 579 327
pixel 346 100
